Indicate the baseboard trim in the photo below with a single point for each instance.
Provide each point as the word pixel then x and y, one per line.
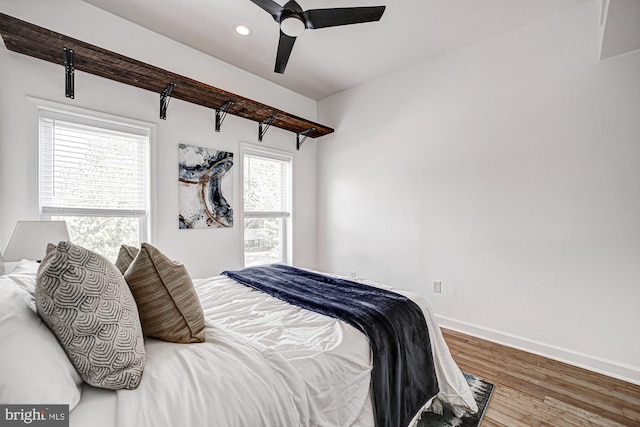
pixel 610 368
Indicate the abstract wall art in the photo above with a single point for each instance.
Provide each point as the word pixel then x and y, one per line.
pixel 205 187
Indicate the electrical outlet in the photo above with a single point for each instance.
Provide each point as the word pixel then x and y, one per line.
pixel 353 274
pixel 437 286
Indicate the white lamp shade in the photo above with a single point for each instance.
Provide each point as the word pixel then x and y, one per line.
pixel 30 238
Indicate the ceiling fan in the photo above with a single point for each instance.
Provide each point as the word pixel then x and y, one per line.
pixel 293 21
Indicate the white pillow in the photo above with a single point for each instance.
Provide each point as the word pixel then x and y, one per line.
pixel 34 368
pixel 25 275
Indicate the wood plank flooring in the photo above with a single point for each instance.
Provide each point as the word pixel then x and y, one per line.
pixel 533 391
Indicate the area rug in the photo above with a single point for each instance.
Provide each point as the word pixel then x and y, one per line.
pixel 481 390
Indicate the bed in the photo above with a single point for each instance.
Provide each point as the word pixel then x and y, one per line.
pixel 263 362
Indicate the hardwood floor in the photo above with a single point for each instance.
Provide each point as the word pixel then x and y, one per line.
pixel 535 391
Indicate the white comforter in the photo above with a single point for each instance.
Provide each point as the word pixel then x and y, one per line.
pixel 267 363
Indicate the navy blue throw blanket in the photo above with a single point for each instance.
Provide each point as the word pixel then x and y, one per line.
pixel 403 376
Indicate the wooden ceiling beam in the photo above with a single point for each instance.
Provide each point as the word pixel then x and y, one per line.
pixel 29 39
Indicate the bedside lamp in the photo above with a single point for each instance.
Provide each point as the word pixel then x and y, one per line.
pixel 30 238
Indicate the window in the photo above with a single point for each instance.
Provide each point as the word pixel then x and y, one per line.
pixel 94 174
pixel 267 207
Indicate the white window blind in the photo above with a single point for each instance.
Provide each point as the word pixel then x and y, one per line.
pixel 88 167
pixel 267 184
pixel 94 174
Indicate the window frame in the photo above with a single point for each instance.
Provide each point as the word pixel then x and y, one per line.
pixel 286 251
pixel 106 121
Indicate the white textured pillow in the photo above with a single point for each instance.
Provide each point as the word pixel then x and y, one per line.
pixel 87 304
pixel 34 368
pixel 24 274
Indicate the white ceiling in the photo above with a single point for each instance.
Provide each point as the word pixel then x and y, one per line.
pixel 328 61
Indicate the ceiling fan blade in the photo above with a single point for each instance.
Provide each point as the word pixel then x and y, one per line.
pixel 322 18
pixel 292 6
pixel 273 8
pixel 285 46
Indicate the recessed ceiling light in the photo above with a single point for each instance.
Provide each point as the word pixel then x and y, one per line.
pixel 242 30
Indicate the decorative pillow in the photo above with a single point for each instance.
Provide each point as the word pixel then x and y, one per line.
pixel 125 257
pixel 169 306
pixel 33 366
pixel 24 274
pixel 87 304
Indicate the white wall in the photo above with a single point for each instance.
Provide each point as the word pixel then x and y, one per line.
pixel 510 171
pixel 204 252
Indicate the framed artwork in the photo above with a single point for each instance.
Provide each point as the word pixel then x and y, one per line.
pixel 205 187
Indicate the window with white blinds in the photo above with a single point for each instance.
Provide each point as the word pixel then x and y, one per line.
pixel 95 175
pixel 267 207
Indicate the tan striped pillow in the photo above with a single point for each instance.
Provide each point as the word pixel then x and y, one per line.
pixel 167 301
pixel 125 257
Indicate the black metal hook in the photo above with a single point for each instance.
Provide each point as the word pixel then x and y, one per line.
pixel 267 123
pixel 305 134
pixel 221 113
pixel 164 100
pixel 68 73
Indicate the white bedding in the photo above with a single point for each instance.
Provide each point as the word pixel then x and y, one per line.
pixel 264 363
